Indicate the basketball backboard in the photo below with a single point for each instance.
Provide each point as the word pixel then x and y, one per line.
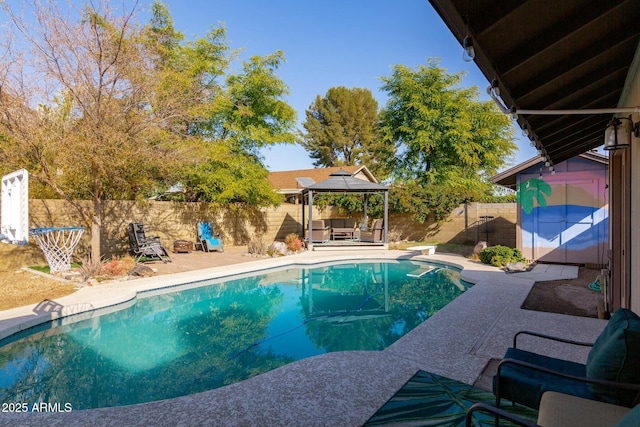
pixel 14 222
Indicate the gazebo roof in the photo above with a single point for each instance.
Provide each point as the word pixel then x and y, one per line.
pixel 343 181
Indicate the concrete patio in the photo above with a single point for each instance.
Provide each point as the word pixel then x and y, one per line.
pixel 335 389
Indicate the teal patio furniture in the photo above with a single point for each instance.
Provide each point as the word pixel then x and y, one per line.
pixel 611 374
pixel 207 239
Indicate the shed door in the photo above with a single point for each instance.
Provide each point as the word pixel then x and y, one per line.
pixel 566 229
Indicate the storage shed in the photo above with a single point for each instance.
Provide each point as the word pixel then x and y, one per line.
pixel 563 211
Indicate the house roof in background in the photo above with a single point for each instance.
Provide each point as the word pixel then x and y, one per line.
pixel 553 55
pixel 293 180
pixel 508 177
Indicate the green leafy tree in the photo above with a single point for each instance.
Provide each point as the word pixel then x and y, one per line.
pixel 253 113
pixel 443 132
pixel 446 138
pixel 342 130
pixel 230 118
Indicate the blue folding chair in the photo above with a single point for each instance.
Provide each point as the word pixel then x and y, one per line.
pixel 207 238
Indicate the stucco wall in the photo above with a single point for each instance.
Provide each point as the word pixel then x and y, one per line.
pixel 176 221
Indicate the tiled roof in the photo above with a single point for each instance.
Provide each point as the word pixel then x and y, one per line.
pixel 287 179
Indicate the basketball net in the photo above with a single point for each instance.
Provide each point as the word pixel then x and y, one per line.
pixel 57 244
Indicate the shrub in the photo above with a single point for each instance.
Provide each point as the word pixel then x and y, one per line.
pixel 293 242
pixel 90 268
pixel 118 266
pixel 257 247
pixel 500 256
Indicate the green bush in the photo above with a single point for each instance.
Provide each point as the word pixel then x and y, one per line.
pixel 500 256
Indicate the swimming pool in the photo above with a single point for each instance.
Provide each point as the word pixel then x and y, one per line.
pixel 176 343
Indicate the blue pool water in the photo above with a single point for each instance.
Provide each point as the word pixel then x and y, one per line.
pixel 175 343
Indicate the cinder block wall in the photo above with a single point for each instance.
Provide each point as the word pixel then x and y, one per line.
pixel 464 225
pixel 177 221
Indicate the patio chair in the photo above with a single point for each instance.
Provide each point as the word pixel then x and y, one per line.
pixel 375 233
pixel 143 247
pixel 320 232
pixel 611 374
pixel 563 410
pixel 207 239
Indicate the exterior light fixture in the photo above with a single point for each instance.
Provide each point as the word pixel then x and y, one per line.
pixel 469 53
pixel 493 90
pixel 618 133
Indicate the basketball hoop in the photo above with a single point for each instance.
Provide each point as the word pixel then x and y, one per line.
pixel 58 244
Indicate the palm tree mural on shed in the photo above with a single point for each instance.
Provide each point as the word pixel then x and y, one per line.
pixel 531 191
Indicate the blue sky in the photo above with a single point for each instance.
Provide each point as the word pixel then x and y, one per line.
pixel 332 43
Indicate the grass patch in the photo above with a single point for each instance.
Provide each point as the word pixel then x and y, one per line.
pixel 46 269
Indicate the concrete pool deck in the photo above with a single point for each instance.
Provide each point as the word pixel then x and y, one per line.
pixel 334 389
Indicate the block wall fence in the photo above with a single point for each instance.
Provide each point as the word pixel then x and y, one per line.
pixel 177 221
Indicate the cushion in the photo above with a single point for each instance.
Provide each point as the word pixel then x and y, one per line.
pixel 526 386
pixel 614 357
pixel 632 419
pixel 337 223
pixel 564 410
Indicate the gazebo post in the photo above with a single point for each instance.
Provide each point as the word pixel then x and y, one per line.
pixel 386 217
pixel 303 216
pixel 310 240
pixel 365 218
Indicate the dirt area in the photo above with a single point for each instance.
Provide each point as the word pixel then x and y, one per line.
pixel 20 288
pixel 571 297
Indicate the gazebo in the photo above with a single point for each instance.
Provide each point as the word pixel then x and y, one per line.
pixel 343 182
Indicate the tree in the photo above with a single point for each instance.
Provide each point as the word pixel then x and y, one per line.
pixel 98 107
pixel 342 130
pixel 74 107
pixel 443 132
pixel 450 142
pixel 232 117
pixel 254 114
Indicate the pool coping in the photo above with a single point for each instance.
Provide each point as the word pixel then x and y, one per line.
pixel 344 388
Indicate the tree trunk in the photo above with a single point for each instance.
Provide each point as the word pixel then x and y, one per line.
pixel 96 227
